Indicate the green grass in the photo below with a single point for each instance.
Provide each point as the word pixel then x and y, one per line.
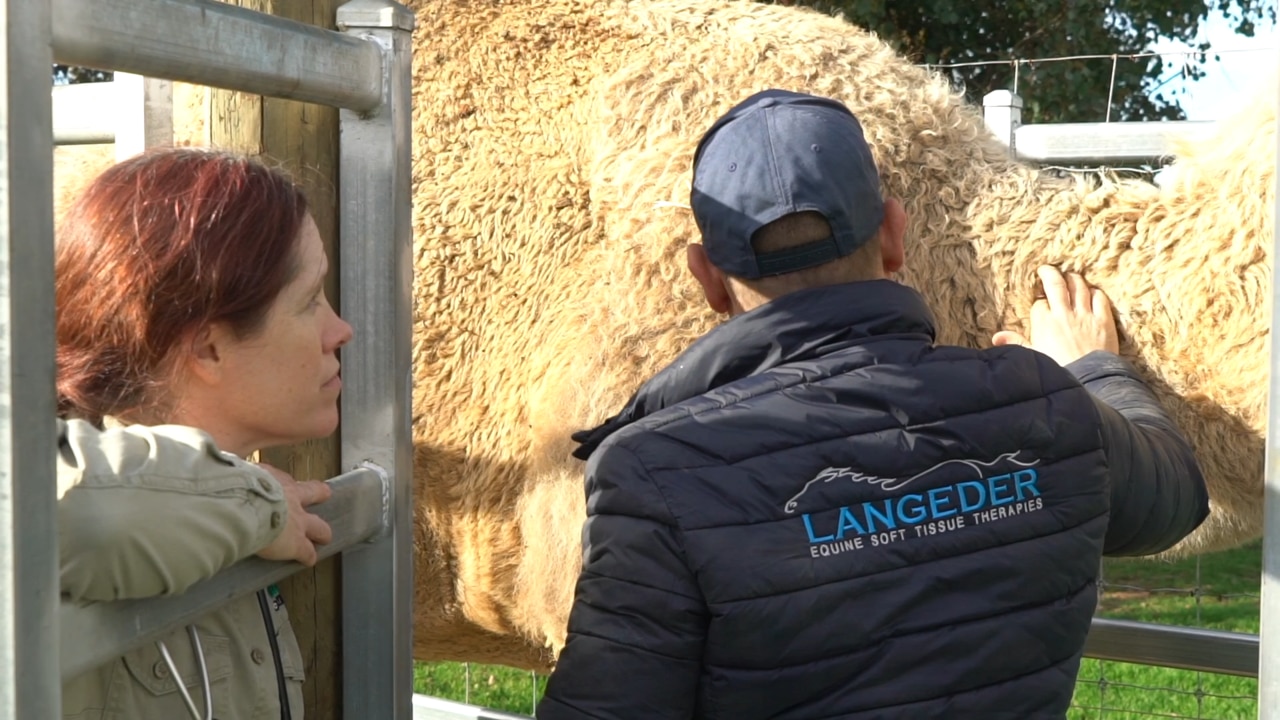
pixel 1146 590
pixel 491 686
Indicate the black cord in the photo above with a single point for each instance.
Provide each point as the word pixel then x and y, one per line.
pixel 275 655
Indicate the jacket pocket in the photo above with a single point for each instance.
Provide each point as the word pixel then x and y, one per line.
pixel 148 688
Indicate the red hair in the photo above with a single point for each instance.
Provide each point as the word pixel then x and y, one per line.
pixel 156 248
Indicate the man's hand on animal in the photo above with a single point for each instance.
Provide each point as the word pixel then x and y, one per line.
pixel 1068 321
pixel 302 530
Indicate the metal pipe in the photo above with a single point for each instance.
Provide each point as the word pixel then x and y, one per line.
pixel 84 114
pixel 375 277
pixel 1213 651
pixel 29 683
pixel 1269 652
pixel 95 633
pixel 143 113
pixel 1002 114
pixel 220 45
pixel 1103 143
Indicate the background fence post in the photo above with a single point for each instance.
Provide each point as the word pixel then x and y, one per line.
pixel 30 681
pixel 144 113
pixel 1269 627
pixel 376 294
pixel 1002 113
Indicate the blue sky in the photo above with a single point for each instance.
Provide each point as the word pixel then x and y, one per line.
pixel 1244 63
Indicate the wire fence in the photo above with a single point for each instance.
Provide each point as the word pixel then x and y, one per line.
pixel 1177 71
pixel 1218 591
pixel 490 686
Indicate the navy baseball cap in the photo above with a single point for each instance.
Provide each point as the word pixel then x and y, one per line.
pixel 774 154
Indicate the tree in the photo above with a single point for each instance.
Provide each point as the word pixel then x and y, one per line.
pixel 69 75
pixel 944 32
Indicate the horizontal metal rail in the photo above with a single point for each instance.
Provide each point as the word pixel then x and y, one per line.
pixel 426 707
pixel 1185 648
pixel 219 45
pixel 1099 143
pixel 85 114
pixel 1119 640
pixel 1103 143
pixel 94 633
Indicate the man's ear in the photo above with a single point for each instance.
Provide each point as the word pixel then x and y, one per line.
pixel 892 233
pixel 709 277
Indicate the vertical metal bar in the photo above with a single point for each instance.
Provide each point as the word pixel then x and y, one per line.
pixel 1269 649
pixel 30 685
pixel 1002 114
pixel 144 113
pixel 375 280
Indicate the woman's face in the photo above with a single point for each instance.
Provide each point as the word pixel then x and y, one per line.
pixel 281 384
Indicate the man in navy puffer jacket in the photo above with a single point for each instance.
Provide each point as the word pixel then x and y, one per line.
pixel 815 512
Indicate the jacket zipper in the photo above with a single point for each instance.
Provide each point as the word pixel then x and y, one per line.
pixel 275 655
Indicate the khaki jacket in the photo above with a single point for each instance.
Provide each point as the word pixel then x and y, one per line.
pixel 113 488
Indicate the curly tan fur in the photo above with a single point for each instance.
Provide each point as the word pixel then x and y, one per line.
pixel 552 160
pixel 552 146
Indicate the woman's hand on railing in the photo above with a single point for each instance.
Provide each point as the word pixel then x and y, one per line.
pixel 302 530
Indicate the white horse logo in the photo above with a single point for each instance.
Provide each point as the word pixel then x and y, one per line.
pixel 890 484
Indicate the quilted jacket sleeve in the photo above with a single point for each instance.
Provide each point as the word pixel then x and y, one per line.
pixel 638 622
pixel 1158 495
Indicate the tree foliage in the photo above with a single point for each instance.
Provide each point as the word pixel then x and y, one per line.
pixel 70 75
pixel 944 32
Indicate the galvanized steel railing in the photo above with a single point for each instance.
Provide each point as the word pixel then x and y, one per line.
pixel 365 71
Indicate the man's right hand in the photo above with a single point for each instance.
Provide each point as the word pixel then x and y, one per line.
pixel 302 530
pixel 1072 319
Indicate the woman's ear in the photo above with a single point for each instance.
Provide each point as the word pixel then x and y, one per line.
pixel 203 352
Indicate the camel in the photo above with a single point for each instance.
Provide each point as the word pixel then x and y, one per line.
pixel 551 172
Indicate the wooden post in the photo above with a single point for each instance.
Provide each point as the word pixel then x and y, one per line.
pixel 303 139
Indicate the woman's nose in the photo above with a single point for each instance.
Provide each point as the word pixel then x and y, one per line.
pixel 341 333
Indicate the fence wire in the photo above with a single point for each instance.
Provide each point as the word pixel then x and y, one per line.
pixel 1218 591
pixel 495 687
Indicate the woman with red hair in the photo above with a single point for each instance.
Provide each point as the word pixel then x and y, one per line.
pixel 189 290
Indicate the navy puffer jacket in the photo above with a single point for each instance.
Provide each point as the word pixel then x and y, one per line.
pixel 816 513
